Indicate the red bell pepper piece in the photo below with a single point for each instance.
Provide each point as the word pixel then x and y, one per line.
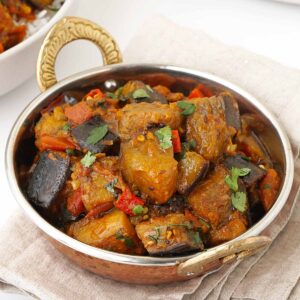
pixel 47 142
pixel 176 141
pixel 103 207
pixel 200 91
pixel 79 112
pixel 74 203
pixel 127 201
pixel 196 93
pixel 95 94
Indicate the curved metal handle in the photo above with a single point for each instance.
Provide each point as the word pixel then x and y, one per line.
pixel 222 254
pixel 65 31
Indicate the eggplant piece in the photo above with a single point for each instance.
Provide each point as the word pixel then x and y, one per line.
pixel 232 112
pixel 237 161
pixel 147 93
pixel 211 198
pixel 191 169
pixel 176 204
pixel 208 128
pixel 48 178
pixel 109 144
pixel 169 235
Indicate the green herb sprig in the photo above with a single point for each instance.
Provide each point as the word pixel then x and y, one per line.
pixel 187 107
pixel 88 159
pixel 97 134
pixel 164 136
pixel 238 199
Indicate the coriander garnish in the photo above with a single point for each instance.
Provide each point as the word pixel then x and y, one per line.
pixel 187 107
pixel 88 159
pixel 97 134
pixel 140 93
pixel 232 180
pixel 138 210
pixel 164 136
pixel 66 127
pixel 239 201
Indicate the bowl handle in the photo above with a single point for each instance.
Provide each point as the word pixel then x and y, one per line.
pixel 65 31
pixel 222 254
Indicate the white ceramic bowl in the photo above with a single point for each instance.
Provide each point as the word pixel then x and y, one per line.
pixel 18 63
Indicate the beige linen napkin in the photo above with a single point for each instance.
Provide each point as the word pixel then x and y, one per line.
pixel 30 263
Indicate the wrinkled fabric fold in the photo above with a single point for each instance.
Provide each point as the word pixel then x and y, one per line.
pixel 30 263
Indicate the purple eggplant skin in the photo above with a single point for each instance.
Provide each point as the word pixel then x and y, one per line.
pixel 48 178
pixel 110 144
pixel 232 112
pixel 237 161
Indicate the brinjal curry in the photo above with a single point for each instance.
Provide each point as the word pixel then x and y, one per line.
pixel 147 171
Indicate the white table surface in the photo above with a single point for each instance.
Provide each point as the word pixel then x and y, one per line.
pixel 265 27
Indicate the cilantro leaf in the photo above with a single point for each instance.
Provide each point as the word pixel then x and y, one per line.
pixel 111 95
pixel 66 127
pixel 192 144
pixel 239 201
pixel 187 107
pixel 119 91
pixel 128 242
pixel 140 93
pixel 97 134
pixel 88 159
pixel 164 136
pixel 138 209
pixel 243 172
pixel 70 152
pixel 232 180
pixel 267 187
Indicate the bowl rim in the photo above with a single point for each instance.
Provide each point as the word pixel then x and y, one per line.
pixel 39 33
pixel 102 254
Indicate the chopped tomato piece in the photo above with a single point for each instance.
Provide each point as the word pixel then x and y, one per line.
pixel 176 141
pixel 78 113
pixel 269 187
pixel 196 93
pixel 74 203
pixel 47 142
pixel 103 207
pixel 127 201
pixel 205 90
pixel 200 91
pixel 95 94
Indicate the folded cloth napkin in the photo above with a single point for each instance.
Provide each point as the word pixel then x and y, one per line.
pixel 30 264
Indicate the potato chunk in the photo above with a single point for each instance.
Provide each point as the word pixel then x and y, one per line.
pixel 190 169
pixel 211 199
pixel 207 126
pixel 136 117
pixel 149 168
pixel 171 234
pixel 112 232
pixel 93 183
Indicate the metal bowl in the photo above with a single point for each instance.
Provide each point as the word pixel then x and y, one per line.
pixel 142 269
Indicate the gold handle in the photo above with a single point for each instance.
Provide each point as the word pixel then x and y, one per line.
pixel 68 30
pixel 223 254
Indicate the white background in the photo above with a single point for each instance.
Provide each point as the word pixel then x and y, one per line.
pixel 265 27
